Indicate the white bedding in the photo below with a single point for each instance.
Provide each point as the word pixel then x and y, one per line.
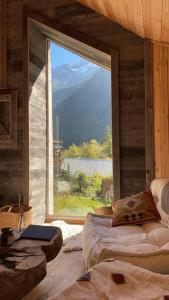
pixel 140 284
pixel 145 245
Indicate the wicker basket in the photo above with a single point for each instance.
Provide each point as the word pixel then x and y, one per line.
pixel 11 219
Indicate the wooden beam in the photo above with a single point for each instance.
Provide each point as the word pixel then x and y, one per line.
pixel 54 24
pixel 149 130
pixel 3 68
pixel 115 124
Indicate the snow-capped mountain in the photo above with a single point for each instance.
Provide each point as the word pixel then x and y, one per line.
pixel 72 74
pixel 69 77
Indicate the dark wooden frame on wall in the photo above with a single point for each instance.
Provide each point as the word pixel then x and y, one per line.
pixel 8 119
pixel 149 129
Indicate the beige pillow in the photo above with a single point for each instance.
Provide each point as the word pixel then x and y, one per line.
pixel 137 209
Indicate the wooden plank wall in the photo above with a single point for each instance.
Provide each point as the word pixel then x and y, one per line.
pixel 2 43
pixel 89 25
pixel 161 109
pixel 132 173
pixel 37 123
pixel 149 117
pixel 132 119
pixel 11 160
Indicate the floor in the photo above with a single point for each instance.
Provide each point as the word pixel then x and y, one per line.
pixel 65 268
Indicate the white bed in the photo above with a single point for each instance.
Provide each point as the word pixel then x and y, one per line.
pixel 145 245
pixel 139 252
pixel 139 284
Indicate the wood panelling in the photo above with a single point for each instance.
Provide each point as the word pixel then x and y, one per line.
pixel 132 119
pixel 11 160
pixel 82 23
pixel 147 18
pixel 149 126
pixel 51 26
pixel 86 25
pixel 96 30
pixel 2 44
pixel 37 123
pixel 161 109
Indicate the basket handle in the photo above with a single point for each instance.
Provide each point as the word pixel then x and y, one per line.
pixel 5 207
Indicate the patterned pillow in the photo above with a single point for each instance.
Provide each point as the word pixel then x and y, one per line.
pixel 137 209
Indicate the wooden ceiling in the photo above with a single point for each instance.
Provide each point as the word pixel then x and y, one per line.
pixel 147 18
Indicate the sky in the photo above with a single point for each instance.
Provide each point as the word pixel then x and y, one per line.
pixel 60 56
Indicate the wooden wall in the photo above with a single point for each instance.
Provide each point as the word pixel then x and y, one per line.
pixel 11 160
pixel 85 25
pixel 2 43
pixel 132 119
pixel 37 123
pixel 161 109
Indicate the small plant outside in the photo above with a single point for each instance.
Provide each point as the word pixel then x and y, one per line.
pixel 77 193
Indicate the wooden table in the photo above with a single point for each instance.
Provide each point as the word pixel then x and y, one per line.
pixel 23 265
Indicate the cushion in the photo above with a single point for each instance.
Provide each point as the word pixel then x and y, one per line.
pixel 160 191
pixel 136 209
pixel 100 283
pixel 145 245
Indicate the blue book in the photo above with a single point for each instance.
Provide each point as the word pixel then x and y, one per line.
pixel 39 232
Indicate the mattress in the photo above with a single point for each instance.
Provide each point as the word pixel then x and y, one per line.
pixel 145 245
pixel 111 280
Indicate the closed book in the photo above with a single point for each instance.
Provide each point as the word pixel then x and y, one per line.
pixel 39 232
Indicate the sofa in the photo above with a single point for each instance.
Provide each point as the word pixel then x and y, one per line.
pixel 145 245
pixel 130 261
pixel 127 261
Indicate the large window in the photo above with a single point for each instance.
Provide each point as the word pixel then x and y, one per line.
pixel 82 133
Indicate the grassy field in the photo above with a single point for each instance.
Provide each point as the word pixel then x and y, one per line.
pixel 74 205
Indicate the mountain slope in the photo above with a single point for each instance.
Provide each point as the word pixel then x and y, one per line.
pixel 84 109
pixel 69 77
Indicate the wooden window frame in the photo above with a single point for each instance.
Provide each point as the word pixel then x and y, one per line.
pixel 115 123
pixel 50 28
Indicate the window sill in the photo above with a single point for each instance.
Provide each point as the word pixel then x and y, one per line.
pixel 67 219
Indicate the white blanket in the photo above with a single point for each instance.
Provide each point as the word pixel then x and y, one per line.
pixel 140 284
